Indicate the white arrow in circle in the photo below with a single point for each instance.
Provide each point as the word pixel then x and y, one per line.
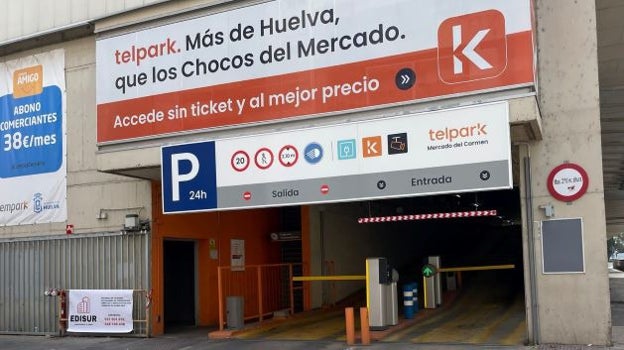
pixel 405 79
pixel 469 50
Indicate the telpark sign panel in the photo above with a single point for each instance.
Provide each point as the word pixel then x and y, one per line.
pixel 452 150
pixel 287 59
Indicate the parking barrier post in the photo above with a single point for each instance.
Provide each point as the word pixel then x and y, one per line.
pixel 350 325
pixel 364 326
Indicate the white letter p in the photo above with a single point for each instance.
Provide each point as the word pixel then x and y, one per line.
pixel 176 177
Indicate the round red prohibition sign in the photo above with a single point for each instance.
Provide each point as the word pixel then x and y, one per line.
pixel 263 158
pixel 288 155
pixel 240 161
pixel 324 189
pixel 568 182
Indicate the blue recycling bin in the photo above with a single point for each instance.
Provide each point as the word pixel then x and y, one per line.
pixel 408 300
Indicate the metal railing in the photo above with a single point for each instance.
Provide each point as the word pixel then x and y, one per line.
pixel 265 289
pixel 142 300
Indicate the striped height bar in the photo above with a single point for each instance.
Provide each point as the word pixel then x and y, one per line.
pixel 429 216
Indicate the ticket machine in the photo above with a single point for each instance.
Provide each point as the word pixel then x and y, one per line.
pixel 381 293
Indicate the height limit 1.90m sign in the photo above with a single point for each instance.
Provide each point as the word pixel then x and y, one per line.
pixel 189 181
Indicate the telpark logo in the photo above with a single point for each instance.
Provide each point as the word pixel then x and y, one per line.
pixel 28 81
pixel 371 146
pixel 472 47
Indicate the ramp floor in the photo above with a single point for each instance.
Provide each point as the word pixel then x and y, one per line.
pixel 485 312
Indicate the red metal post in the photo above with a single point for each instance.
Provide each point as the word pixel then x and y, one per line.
pixel 220 296
pixel 260 310
pixel 62 312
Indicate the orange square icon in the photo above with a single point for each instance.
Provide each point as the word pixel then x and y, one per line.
pixel 472 47
pixel 28 81
pixel 371 146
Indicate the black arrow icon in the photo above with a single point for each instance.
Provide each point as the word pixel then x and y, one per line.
pixel 381 184
pixel 485 175
pixel 405 79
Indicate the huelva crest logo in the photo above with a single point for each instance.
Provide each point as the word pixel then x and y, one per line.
pixel 28 81
pixel 37 203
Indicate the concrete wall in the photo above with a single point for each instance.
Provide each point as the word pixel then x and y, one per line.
pixel 573 308
pixel 89 192
pixel 337 237
pixel 29 17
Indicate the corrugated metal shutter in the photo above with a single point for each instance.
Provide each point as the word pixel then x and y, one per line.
pixel 29 267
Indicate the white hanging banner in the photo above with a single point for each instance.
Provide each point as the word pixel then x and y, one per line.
pixel 33 149
pixel 285 59
pixel 100 311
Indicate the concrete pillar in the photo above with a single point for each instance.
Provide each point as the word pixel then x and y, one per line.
pixel 572 308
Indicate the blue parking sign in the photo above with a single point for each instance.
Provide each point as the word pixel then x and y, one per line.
pixel 189 179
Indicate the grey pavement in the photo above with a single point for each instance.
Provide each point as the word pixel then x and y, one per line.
pixel 197 338
pixel 185 342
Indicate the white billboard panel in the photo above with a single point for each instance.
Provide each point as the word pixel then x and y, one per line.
pixel 283 59
pixel 33 144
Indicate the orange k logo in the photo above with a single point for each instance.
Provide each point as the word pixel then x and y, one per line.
pixel 472 46
pixel 371 146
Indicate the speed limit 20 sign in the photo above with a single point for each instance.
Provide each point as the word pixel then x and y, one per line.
pixel 240 161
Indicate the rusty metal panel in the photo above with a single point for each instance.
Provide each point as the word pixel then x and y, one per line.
pixel 30 267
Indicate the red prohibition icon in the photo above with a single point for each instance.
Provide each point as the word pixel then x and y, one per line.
pixel 567 182
pixel 324 189
pixel 288 156
pixel 263 158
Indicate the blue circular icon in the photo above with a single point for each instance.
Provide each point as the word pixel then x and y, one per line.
pixel 313 153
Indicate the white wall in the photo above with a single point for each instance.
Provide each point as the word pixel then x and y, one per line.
pixel 28 17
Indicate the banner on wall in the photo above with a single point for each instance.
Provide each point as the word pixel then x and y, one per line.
pixel 286 59
pixel 33 140
pixel 100 311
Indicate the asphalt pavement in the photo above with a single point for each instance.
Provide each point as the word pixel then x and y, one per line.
pixel 198 340
pixel 185 342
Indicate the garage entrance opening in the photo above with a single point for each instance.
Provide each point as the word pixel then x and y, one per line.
pixel 482 304
pixel 179 286
pixel 478 306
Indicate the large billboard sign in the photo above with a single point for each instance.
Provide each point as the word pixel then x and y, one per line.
pixel 455 150
pixel 33 184
pixel 286 59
